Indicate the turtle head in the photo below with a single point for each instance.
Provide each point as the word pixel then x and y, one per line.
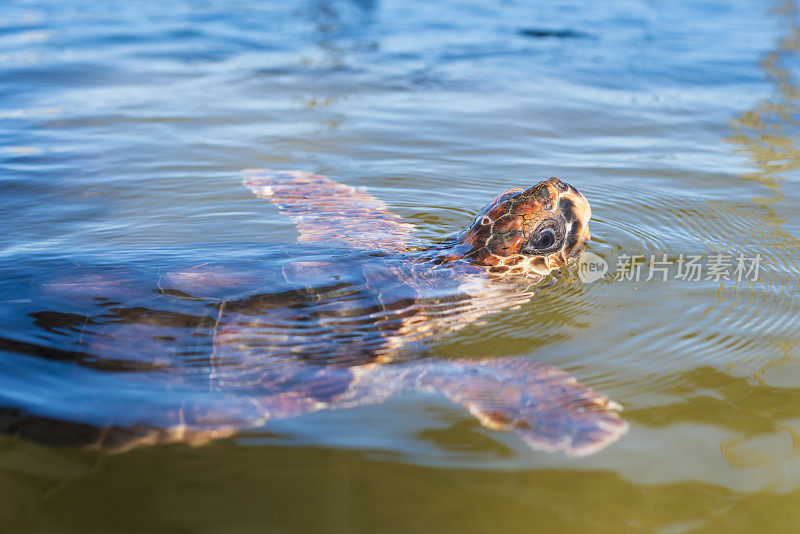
pixel 530 231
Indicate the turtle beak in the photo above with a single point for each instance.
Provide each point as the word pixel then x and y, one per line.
pixel 577 212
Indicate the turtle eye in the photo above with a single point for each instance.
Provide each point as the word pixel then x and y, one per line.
pixel 545 239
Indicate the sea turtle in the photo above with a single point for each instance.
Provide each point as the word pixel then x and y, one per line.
pixel 158 351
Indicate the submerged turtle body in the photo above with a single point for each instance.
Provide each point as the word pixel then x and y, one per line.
pixel 194 351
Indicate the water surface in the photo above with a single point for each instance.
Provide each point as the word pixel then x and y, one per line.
pixel 124 127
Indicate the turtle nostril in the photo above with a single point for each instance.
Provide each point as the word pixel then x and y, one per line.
pixel 559 185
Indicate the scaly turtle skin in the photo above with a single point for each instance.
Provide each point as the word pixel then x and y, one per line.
pixel 233 341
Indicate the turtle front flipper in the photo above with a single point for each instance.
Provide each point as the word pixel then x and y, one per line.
pixel 549 409
pixel 544 405
pixel 324 210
